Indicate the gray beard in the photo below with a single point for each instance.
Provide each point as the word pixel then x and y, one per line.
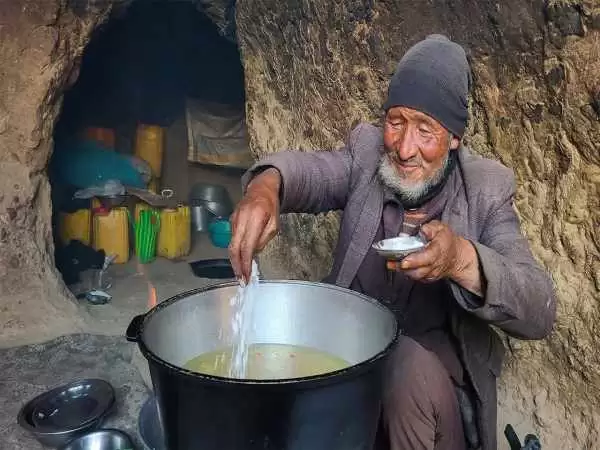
pixel 411 195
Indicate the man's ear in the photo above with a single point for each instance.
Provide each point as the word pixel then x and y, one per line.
pixel 454 143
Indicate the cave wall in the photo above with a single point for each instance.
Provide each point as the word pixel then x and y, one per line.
pixel 313 69
pixel 40 47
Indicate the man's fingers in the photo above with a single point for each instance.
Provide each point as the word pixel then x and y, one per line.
pixel 425 257
pixel 254 230
pixel 269 233
pixel 243 222
pixel 251 221
pixel 237 235
pixel 431 229
pixel 427 265
pixel 393 265
pixel 424 274
pixel 233 221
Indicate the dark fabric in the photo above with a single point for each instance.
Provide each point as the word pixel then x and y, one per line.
pixel 420 407
pixel 519 296
pixel 423 310
pixel 434 77
pixel 75 258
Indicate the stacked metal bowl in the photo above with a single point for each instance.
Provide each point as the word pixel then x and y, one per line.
pixel 65 413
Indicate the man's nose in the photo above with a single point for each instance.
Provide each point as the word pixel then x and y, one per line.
pixel 406 146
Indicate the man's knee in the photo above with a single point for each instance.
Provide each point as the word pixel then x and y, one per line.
pixel 409 378
pixel 420 404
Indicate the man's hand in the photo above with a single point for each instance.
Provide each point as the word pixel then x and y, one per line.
pixel 255 221
pixel 445 256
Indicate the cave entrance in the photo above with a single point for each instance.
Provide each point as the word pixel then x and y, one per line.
pixel 158 107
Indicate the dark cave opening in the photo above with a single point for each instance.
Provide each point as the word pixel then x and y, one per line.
pixel 156 71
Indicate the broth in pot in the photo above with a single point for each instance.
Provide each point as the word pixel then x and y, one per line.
pixel 270 362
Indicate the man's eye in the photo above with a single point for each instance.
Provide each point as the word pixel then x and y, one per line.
pixel 424 131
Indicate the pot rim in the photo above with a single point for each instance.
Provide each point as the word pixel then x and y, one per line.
pixel 310 381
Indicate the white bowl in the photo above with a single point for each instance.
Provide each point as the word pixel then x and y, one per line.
pixel 399 247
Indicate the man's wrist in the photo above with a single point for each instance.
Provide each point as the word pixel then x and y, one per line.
pixel 466 271
pixel 268 180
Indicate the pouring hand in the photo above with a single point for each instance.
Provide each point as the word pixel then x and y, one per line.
pixel 446 255
pixel 255 221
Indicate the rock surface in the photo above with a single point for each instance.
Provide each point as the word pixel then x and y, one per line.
pixel 314 68
pixel 40 43
pixel 30 370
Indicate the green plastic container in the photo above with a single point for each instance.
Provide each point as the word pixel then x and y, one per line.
pixel 146 235
pixel 220 233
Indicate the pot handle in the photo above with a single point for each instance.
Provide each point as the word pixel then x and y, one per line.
pixel 133 330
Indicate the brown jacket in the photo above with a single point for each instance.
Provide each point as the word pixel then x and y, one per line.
pixel 519 297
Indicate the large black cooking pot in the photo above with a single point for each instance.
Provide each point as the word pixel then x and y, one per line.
pixel 334 411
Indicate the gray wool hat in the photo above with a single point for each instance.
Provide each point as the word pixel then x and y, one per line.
pixel 434 77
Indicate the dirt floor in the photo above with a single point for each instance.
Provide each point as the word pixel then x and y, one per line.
pixel 30 370
pixel 130 286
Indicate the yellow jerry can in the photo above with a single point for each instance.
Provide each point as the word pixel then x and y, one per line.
pixel 185 229
pixel 149 146
pixel 104 136
pixel 76 226
pixel 174 237
pixel 154 185
pixel 111 233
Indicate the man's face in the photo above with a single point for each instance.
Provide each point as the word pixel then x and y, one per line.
pixel 417 148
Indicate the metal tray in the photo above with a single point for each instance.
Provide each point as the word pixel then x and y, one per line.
pixel 213 269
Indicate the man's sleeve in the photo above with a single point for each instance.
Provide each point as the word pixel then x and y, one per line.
pixel 312 182
pixel 519 295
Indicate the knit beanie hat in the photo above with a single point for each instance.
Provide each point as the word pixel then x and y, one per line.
pixel 434 77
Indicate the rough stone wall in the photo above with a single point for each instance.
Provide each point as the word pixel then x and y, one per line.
pixel 315 68
pixel 40 43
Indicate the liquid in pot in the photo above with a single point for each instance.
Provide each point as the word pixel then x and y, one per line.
pixel 270 362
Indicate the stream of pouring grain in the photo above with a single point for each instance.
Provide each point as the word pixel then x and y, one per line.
pixel 242 319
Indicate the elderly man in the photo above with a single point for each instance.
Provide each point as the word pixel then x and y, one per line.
pixel 475 271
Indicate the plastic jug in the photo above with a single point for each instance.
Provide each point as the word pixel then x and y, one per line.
pixel 185 228
pixel 104 136
pixel 111 233
pixel 146 227
pixel 174 237
pixel 154 185
pixel 149 146
pixel 76 226
pixel 139 207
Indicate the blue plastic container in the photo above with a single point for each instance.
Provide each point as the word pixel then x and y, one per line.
pixel 220 233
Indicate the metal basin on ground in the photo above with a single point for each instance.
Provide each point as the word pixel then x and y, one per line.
pixel 108 439
pixel 63 413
